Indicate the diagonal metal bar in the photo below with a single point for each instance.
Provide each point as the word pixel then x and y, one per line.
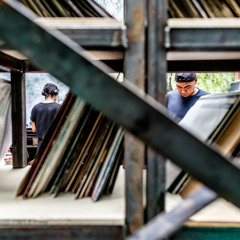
pixel 138 113
pixel 172 221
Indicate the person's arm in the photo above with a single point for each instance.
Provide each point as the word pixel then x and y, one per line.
pixel 34 130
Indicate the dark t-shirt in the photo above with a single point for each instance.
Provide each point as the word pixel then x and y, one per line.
pixel 178 106
pixel 42 114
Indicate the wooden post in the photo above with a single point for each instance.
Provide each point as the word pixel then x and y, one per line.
pixel 19 131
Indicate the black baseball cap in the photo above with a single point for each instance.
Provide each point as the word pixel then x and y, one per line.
pixel 185 77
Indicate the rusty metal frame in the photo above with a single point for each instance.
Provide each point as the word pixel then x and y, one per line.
pixel 135 15
pixel 131 108
pixel 156 87
pixel 137 112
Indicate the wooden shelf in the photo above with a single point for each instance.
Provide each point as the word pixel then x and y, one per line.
pixel 63 210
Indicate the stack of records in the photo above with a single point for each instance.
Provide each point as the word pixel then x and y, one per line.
pixel 66 8
pixel 204 9
pixel 80 153
pixel 214 119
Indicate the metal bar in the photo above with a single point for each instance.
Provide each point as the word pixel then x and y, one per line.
pixel 195 39
pixel 90 32
pixel 96 37
pixel 156 87
pixel 134 68
pixel 19 131
pixel 121 102
pixel 155 192
pixel 204 34
pixel 18 232
pixel 163 225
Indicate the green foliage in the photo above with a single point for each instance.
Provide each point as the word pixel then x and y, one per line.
pixel 209 82
pixel 215 82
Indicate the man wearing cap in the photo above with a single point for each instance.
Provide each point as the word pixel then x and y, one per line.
pixel 179 101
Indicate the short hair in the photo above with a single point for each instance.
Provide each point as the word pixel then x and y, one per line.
pixel 50 89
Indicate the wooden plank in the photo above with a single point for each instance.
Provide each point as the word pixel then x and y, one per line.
pixel 204 23
pixel 47 210
pixel 80 23
pixel 197 55
pixel 212 224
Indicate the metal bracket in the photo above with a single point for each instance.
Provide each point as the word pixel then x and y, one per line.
pixel 124 37
pixel 167 37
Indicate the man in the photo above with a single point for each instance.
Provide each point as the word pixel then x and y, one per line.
pixel 185 96
pixel 43 113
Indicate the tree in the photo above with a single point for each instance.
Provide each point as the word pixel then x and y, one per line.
pixel 215 82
